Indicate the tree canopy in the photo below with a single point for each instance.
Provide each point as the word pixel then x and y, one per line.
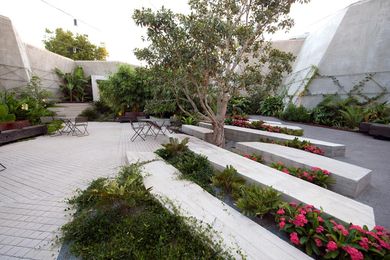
pixel 76 47
pixel 218 49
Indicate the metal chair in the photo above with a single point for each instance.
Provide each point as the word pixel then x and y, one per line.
pixel 138 128
pixel 80 126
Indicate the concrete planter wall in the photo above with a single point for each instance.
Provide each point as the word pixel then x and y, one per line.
pixel 8 136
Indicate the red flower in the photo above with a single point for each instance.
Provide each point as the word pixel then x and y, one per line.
pixel 341 228
pixel 280 212
pixel 300 220
pixel 320 229
pixel 353 253
pixel 358 228
pixel 294 238
pixel 285 170
pixel 282 224
pixel 318 242
pixel 320 219
pixel 331 246
pixel 364 242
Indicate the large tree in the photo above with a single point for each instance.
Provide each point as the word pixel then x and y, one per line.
pixel 213 52
pixel 76 47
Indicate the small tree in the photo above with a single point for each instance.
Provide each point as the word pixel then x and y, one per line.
pixel 126 89
pixel 212 53
pixel 74 85
pixel 76 47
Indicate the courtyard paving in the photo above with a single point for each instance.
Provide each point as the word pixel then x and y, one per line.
pixel 42 173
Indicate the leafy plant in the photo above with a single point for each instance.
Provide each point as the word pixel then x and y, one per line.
pixel 296 143
pixel 319 235
pixel 256 201
pixel 377 113
pixel 189 120
pixel 296 114
pixel 119 219
pixel 238 105
pixel 54 126
pixel 4 115
pixel 254 157
pixel 74 85
pixel 352 116
pixel 228 181
pixel 173 148
pixel 272 106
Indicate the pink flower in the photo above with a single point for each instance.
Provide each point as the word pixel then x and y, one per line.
pixel 300 220
pixel 285 170
pixel 325 172
pixel 306 174
pixel 282 219
pixel 379 228
pixel 293 204
pixel 320 219
pixel 318 242
pixel 384 244
pixel 364 242
pixel 358 228
pixel 303 212
pixel 294 238
pixel 331 246
pixel 341 228
pixel 282 224
pixel 315 169
pixel 319 229
pixel 280 212
pixel 353 253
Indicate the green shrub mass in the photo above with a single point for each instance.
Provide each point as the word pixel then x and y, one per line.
pixel 119 219
pixel 98 112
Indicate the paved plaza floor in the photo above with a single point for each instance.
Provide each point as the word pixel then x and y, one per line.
pixel 42 173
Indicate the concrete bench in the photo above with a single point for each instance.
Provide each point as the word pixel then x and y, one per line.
pixel 292 188
pixel 197 131
pixel 232 227
pixel 241 134
pixel 351 180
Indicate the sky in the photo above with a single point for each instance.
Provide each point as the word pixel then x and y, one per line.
pixel 110 22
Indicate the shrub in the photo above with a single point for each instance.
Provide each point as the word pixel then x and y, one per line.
pixel 189 120
pixel 296 114
pixel 314 175
pixel 377 113
pixel 352 116
pixel 90 113
pixel 4 115
pixel 238 106
pixel 98 112
pixel 317 234
pixel 54 126
pixel 228 181
pixel 119 219
pixel 271 106
pixel 256 201
pixel 173 148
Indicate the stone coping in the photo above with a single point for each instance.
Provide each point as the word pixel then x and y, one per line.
pixel 235 230
pixel 292 188
pixel 350 179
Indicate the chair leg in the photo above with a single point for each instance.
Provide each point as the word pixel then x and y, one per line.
pixel 138 133
pixel 3 167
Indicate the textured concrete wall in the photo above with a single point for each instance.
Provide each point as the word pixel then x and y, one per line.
pixel 346 47
pixel 103 68
pixel 43 63
pixel 14 66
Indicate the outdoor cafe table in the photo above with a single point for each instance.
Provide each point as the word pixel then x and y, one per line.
pixel 68 125
pixel 155 125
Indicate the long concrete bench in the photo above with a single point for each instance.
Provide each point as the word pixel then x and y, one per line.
pixel 233 228
pixel 351 180
pixel 241 134
pixel 292 188
pixel 197 131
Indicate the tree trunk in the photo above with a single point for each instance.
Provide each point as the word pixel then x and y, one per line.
pixel 219 134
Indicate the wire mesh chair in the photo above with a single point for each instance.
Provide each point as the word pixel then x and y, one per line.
pixel 80 126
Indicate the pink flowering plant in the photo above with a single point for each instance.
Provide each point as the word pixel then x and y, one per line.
pixel 296 143
pixel 254 157
pixel 314 175
pixel 322 236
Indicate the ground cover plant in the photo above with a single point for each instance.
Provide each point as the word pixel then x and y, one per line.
pixel 242 121
pixel 319 235
pixel 119 219
pixel 296 143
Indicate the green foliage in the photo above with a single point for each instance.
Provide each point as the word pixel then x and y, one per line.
pixel 54 126
pixel 238 105
pixel 193 167
pixel 76 47
pixel 75 85
pixel 228 181
pixel 188 120
pixel 119 219
pixel 256 201
pixel 377 113
pixel 352 116
pixel 126 90
pixel 98 112
pixel 272 106
pixel 297 114
pixel 4 115
pixel 212 53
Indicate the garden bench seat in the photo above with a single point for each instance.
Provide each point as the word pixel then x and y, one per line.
pixel 350 179
pixel 292 188
pixel 241 134
pixel 197 131
pixel 232 227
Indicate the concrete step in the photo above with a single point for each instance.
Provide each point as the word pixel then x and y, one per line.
pixel 351 180
pixel 197 131
pixel 241 134
pixel 292 188
pixel 70 110
pixel 232 227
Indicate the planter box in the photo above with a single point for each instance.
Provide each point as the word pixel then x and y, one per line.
pixel 26 132
pixel 380 130
pixel 364 127
pixel 14 125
